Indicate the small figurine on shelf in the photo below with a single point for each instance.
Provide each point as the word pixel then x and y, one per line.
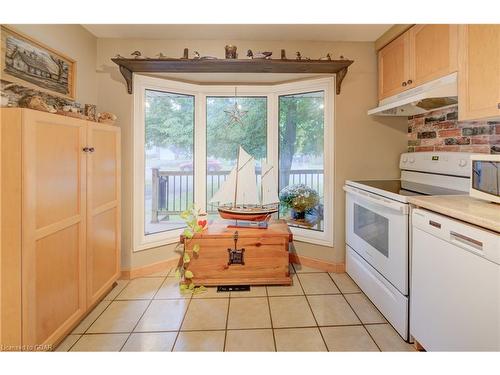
pixel 91 112
pixel 137 55
pixel 230 52
pixel 196 55
pixel 161 56
pixel 185 55
pixel 327 57
pixel 106 118
pixel 38 103
pixel 259 55
pixel 283 55
pixel 298 56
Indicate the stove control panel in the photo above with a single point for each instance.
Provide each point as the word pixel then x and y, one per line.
pixel 449 163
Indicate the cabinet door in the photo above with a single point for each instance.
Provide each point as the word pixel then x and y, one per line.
pixel 433 52
pixel 53 230
pixel 103 209
pixel 479 72
pixel 393 67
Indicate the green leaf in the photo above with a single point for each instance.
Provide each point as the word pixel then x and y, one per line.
pixel 186 258
pixel 178 273
pixel 183 287
pixel 199 289
pixel 196 248
pixel 188 274
pixel 191 286
pixel 185 214
pixel 187 233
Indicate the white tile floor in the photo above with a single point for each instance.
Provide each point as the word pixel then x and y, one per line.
pixel 319 312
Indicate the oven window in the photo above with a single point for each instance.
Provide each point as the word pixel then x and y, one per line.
pixel 373 228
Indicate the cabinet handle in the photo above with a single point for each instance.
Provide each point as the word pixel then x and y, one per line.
pixel 85 149
pixel 91 149
pixel 403 84
pixel 410 81
pixel 435 224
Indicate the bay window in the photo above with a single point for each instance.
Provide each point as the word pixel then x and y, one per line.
pixel 186 139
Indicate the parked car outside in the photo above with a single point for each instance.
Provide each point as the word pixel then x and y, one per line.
pixel 212 166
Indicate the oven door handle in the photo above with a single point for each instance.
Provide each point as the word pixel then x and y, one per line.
pixel 393 205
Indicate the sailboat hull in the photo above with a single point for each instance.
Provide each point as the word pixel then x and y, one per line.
pixel 248 214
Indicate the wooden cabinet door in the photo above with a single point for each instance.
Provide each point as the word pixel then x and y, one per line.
pixel 479 72
pixel 53 227
pixel 433 52
pixel 394 67
pixel 103 209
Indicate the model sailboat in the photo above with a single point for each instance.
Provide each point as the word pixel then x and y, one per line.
pixel 238 197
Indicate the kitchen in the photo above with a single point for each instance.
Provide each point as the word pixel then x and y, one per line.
pixel 296 187
pixel 440 191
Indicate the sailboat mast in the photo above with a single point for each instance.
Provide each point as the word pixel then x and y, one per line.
pixel 261 184
pixel 237 170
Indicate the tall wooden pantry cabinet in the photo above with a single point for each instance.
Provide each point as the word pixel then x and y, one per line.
pixel 60 223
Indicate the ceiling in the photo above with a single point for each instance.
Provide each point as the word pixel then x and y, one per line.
pixel 317 32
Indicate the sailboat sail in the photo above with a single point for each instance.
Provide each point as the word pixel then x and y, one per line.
pixel 226 192
pixel 269 189
pixel 240 190
pixel 246 192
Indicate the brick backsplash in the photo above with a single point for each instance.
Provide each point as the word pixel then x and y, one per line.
pixel 440 131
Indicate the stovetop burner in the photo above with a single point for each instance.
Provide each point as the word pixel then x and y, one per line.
pixel 408 188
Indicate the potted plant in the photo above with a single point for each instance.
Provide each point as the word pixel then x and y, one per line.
pixel 299 199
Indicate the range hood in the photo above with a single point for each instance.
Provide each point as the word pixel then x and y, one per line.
pixel 428 97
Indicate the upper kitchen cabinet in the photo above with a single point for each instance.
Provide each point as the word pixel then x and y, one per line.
pixel 433 52
pixel 394 67
pixel 421 54
pixel 479 72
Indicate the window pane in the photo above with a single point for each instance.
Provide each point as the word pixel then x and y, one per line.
pixel 169 128
pixel 301 161
pixel 224 137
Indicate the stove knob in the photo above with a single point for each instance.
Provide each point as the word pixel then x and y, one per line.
pixel 405 159
pixel 412 160
pixel 462 162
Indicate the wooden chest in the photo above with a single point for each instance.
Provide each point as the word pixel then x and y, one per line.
pixel 240 256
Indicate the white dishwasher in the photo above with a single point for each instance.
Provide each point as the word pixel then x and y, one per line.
pixel 455 284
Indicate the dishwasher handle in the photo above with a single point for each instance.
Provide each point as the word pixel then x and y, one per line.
pixel 467 243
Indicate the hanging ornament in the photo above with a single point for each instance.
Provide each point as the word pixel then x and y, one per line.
pixel 234 113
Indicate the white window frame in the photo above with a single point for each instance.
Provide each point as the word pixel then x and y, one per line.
pixel 141 84
pixel 200 93
pixel 327 85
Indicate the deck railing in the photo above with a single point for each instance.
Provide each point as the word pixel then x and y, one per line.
pixel 172 191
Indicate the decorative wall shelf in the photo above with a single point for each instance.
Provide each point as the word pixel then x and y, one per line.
pixel 130 66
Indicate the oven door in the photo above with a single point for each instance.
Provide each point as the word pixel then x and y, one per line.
pixel 377 229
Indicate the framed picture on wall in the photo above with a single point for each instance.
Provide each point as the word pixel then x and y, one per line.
pixel 32 64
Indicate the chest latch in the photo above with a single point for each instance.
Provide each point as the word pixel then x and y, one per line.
pixel 236 255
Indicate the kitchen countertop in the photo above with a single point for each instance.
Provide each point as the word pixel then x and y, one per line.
pixel 475 211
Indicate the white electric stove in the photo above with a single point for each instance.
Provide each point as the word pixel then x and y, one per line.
pixel 378 227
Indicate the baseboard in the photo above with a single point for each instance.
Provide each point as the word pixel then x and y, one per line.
pixel 149 269
pixel 319 264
